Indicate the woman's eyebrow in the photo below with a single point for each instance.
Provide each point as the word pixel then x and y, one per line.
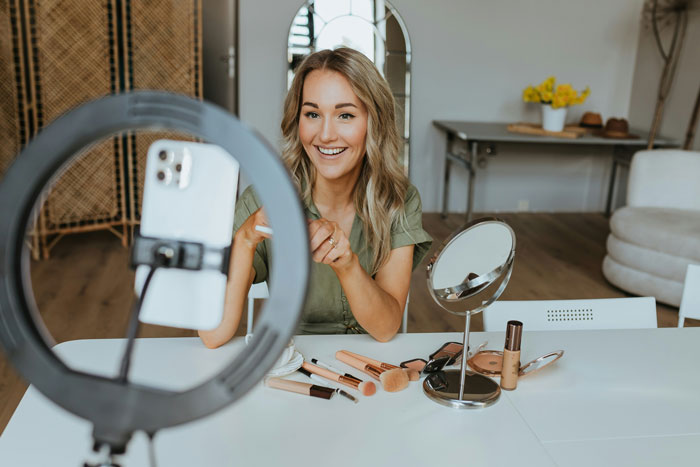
pixel 310 104
pixel 347 104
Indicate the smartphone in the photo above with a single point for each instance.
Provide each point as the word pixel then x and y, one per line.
pixel 189 194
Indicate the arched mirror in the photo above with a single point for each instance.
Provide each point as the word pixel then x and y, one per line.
pixel 373 27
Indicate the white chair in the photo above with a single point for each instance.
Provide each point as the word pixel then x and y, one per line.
pixel 551 315
pixel 260 291
pixel 690 303
pixel 654 238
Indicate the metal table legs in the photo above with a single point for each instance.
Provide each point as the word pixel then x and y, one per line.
pixel 469 163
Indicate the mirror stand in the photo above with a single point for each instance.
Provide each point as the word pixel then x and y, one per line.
pixel 462 388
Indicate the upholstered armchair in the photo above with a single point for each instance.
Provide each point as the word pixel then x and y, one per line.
pixel 656 236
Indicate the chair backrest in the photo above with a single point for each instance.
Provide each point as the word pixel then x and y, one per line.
pixel 260 291
pixel 690 301
pixel 665 178
pixel 256 291
pixel 546 315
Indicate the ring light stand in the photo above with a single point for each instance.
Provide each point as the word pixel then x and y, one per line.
pixel 118 409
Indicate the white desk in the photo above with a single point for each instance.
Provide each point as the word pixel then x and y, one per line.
pixel 616 398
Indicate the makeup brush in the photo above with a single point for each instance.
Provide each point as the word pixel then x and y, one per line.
pixel 413 375
pixel 318 379
pixel 317 362
pixel 367 388
pixel 300 388
pixel 392 380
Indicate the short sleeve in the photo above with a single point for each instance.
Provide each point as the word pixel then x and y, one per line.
pixel 411 231
pixel 246 205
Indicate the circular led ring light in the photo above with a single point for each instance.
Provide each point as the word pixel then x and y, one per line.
pixel 118 409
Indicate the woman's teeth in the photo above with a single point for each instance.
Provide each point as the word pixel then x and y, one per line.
pixel 330 151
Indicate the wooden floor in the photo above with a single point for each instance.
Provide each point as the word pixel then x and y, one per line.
pixel 85 289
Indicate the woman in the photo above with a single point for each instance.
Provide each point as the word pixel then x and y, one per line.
pixel 341 145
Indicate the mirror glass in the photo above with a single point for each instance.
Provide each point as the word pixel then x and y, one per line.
pixel 372 27
pixel 475 252
pixel 472 267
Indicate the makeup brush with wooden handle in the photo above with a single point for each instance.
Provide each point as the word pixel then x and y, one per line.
pixel 413 375
pixel 392 380
pixel 367 388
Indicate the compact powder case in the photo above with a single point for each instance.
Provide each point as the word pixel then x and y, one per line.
pixel 489 362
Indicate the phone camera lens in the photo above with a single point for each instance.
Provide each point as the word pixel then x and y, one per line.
pixel 162 155
pixel 161 175
pixel 178 168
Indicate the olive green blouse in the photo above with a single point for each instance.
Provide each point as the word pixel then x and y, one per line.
pixel 327 310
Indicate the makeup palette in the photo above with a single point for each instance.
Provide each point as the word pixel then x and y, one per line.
pixel 446 355
pixel 490 362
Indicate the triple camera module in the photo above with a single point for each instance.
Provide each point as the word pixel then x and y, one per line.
pixel 174 167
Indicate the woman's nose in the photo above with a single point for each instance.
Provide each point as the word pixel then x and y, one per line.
pixel 328 132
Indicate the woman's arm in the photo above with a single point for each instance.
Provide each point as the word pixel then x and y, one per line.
pixel 378 303
pixel 240 277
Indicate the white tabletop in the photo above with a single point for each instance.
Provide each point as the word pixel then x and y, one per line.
pixel 616 398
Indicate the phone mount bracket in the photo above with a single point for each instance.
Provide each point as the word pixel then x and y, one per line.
pixel 179 254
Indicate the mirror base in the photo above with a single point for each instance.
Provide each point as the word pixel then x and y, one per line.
pixel 479 391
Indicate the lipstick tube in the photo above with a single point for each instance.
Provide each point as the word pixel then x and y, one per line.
pixel 511 355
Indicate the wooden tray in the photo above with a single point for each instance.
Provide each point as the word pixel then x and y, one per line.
pixel 570 131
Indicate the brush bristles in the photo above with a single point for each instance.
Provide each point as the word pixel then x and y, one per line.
pixel 367 388
pixel 394 380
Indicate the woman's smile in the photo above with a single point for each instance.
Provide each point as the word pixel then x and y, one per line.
pixel 330 153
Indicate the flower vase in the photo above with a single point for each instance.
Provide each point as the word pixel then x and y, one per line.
pixel 553 119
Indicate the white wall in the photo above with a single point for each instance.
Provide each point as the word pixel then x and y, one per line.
pixel 471 60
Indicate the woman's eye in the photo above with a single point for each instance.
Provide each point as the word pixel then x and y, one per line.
pixel 311 114
pixel 346 116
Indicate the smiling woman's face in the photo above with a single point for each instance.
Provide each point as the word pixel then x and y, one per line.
pixel 332 126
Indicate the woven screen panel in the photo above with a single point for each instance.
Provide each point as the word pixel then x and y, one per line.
pixel 9 111
pixel 165 45
pixel 87 193
pixel 76 65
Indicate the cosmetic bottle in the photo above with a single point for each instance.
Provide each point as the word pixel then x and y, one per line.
pixel 511 355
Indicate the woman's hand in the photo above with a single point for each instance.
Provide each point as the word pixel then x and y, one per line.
pixel 248 233
pixel 329 245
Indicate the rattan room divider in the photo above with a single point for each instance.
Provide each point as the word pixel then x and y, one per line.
pixel 58 54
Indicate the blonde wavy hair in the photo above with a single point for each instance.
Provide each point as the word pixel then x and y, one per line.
pixel 381 187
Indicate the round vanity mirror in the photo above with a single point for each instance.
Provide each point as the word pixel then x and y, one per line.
pixel 469 263
pixel 468 273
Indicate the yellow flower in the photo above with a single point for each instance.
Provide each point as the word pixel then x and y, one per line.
pixel 582 98
pixel 562 95
pixel 530 95
pixel 547 85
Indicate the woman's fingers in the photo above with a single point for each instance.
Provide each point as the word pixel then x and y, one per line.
pixel 260 225
pixel 319 232
pixel 249 234
pixel 328 241
pixel 338 249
